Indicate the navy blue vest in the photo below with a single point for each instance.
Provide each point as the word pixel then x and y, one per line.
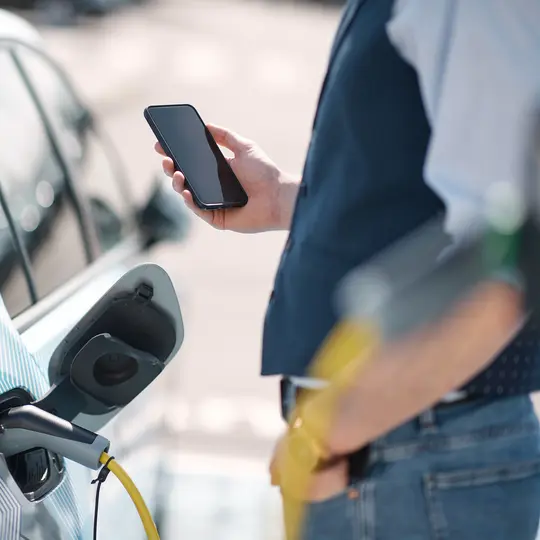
pixel 362 190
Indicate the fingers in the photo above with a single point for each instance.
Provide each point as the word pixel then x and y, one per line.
pixel 205 215
pixel 158 149
pixel 168 167
pixel 179 183
pixel 228 139
pixel 179 187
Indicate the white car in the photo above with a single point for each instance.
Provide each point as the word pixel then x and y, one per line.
pixel 72 246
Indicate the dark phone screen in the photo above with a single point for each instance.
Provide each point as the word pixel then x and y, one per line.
pixel 197 154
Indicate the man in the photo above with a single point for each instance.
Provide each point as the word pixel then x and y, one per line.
pixel 425 105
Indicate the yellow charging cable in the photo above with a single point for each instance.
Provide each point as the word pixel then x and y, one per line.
pixel 134 493
pixel 344 354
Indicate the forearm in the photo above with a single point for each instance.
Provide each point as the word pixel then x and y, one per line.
pixel 288 192
pixel 406 377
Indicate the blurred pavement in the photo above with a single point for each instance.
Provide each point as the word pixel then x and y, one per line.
pixel 255 67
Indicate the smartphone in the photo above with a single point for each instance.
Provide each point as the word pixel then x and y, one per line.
pixel 185 138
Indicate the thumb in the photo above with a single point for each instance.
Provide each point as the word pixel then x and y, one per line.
pixel 228 139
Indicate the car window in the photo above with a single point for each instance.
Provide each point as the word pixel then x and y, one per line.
pixel 34 186
pixel 13 285
pixel 89 158
pixel 109 206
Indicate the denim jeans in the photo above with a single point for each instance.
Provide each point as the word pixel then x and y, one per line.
pixel 468 471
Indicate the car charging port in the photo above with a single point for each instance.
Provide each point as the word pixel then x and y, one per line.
pixel 36 471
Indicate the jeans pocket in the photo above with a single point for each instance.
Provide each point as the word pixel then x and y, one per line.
pixel 338 517
pixel 496 502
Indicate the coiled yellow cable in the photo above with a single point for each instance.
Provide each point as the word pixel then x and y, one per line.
pixel 346 351
pixel 134 493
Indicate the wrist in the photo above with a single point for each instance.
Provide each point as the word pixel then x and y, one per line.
pixel 316 419
pixel 347 433
pixel 332 418
pixel 308 450
pixel 286 199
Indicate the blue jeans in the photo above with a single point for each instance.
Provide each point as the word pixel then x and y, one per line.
pixel 468 471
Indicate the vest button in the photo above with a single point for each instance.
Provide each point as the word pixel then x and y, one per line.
pixel 302 190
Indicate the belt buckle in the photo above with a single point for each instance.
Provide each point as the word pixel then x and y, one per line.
pixel 288 397
pixel 290 393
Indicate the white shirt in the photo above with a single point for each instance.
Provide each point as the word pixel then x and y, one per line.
pixel 478 64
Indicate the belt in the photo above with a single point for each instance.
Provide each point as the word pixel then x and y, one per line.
pixel 290 390
pixel 359 460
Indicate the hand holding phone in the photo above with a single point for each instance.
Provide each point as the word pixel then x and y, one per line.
pixel 271 192
pixel 185 138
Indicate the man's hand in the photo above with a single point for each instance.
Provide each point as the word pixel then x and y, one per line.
pixel 300 487
pixel 322 485
pixel 271 193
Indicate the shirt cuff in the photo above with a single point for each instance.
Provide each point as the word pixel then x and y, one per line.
pixel 510 276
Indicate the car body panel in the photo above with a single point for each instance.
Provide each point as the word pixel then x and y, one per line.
pixel 12 26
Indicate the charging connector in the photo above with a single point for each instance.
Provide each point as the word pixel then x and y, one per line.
pixel 27 427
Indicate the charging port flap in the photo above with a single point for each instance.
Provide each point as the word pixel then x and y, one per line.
pixel 119 347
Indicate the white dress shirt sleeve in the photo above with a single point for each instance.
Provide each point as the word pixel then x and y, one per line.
pixel 478 65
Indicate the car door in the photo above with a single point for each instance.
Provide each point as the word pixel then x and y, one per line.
pixel 69 232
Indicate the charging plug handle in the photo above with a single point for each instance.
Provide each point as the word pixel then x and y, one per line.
pixel 27 427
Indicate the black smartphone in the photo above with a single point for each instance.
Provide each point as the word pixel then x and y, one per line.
pixel 185 138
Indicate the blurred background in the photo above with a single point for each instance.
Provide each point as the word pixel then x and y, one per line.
pixel 255 67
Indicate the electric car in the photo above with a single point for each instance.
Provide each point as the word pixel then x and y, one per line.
pixel 72 246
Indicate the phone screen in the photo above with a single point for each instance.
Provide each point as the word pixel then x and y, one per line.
pixel 197 155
